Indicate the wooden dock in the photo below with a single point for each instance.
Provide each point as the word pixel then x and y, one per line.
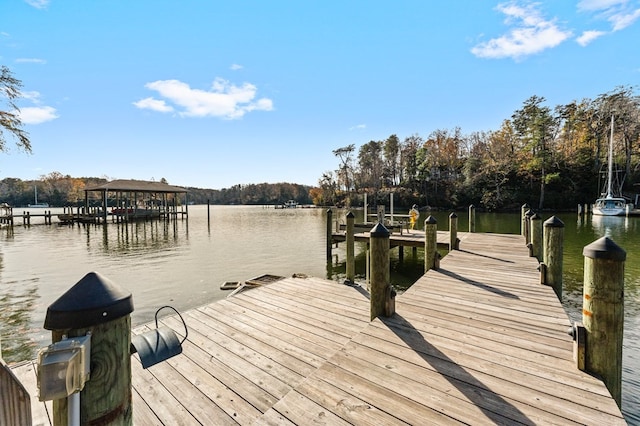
pixel 413 238
pixel 478 341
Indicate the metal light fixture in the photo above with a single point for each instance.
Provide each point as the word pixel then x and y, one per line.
pixel 159 344
pixel 64 367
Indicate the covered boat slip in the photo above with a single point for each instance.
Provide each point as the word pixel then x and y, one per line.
pixel 137 199
pixel 478 341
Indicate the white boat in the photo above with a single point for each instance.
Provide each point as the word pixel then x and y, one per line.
pixel 610 205
pixel 37 205
pixel 291 204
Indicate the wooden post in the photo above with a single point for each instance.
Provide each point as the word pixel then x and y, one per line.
pixel 379 244
pixel 15 408
pixel 329 234
pixel 351 259
pixel 453 231
pixel 208 214
pixel 472 218
pixel 553 242
pixel 97 305
pixel 536 237
pixel 430 243
pixel 523 211
pixel 603 312
pixel 579 209
pixel 527 227
pixel 366 219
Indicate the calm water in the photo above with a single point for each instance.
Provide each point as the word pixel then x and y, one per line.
pixel 183 263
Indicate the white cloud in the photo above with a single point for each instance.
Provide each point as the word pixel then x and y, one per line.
pixel 530 33
pixel 588 36
pixel 38 4
pixel 32 96
pixel 591 5
pixel 619 13
pixel 622 20
pixel 153 104
pixel 224 99
pixel 30 61
pixel 236 67
pixel 37 115
pixel 358 127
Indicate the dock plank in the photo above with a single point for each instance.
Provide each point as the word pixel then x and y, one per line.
pixel 478 341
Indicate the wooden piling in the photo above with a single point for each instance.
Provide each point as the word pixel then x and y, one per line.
pixel 536 237
pixel 329 234
pixel 553 247
pixel 430 243
pixel 527 227
pixel 98 306
pixel 472 218
pixel 350 240
pixel 453 231
pixel 208 214
pixel 603 312
pixel 523 210
pixel 379 246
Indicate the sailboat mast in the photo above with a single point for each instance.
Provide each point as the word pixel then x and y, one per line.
pixel 610 174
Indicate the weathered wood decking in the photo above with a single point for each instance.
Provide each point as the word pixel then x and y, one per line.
pixel 478 341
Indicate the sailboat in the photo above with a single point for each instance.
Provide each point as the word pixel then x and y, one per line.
pixel 37 204
pixel 610 205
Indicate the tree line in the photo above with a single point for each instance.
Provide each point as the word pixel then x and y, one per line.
pixel 547 157
pixel 60 190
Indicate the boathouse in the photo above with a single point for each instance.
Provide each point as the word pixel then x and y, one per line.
pixel 139 199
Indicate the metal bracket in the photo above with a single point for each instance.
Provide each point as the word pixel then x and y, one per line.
pixel 579 334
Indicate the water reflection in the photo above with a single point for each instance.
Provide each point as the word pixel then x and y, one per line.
pixel 16 307
pixel 610 226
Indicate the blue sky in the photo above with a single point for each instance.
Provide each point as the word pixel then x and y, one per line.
pixel 215 93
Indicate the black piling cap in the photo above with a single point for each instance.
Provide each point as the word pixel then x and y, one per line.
pixel 553 222
pixel 604 248
pixel 535 216
pixel 379 231
pixel 430 220
pixel 93 300
pixel 453 215
pixel 529 213
pixel 350 215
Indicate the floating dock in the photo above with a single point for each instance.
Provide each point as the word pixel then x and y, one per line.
pixel 478 341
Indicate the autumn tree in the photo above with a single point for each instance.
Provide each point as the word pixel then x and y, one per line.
pixel 345 170
pixel 391 155
pixel 536 127
pixel 408 161
pixel 10 118
pixel 370 165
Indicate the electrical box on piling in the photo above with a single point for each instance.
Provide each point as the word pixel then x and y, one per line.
pixel 97 307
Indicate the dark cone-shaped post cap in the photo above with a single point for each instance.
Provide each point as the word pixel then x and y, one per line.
pixel 453 215
pixel 604 248
pixel 379 231
pixel 350 215
pixel 554 222
pixel 430 220
pixel 92 301
pixel 536 216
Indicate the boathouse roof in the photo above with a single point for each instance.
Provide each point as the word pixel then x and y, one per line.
pixel 131 185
